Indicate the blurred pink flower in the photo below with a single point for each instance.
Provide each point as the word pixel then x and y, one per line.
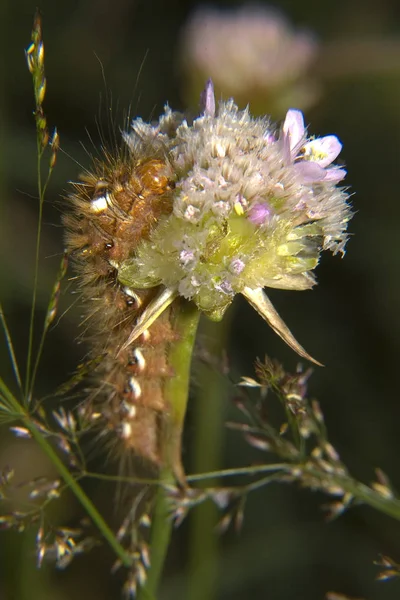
pixel 250 53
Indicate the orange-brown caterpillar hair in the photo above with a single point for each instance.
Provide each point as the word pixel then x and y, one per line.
pixel 113 208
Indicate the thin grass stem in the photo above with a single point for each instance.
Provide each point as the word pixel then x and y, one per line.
pixel 11 351
pixel 120 478
pixel 389 506
pixel 28 390
pixel 249 471
pixel 49 318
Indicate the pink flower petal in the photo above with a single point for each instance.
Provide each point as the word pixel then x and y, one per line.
pixel 237 266
pixel 335 175
pixel 310 172
pixel 293 127
pixel 259 213
pixel 323 150
pixel 207 100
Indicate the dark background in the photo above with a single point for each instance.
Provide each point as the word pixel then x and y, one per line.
pixel 350 322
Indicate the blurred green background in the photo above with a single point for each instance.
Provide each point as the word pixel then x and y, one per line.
pixel 350 322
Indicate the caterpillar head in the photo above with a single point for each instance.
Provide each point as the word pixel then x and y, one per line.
pixel 253 206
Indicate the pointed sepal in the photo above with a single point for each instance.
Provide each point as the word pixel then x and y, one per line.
pixel 263 305
pixel 150 314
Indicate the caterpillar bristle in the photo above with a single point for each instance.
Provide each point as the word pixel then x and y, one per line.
pixel 113 208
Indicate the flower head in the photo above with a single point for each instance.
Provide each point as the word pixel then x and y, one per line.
pixel 252 208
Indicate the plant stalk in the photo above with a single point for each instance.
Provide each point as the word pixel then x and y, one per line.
pixel 184 319
pixel 209 408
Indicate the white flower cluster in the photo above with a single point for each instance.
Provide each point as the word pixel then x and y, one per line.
pixel 252 206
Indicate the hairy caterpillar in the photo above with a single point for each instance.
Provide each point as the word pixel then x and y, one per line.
pixel 113 208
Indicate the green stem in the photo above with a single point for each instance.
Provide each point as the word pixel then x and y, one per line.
pixel 36 274
pixel 11 350
pixel 185 317
pixel 120 478
pixel 361 492
pixel 209 407
pixel 249 471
